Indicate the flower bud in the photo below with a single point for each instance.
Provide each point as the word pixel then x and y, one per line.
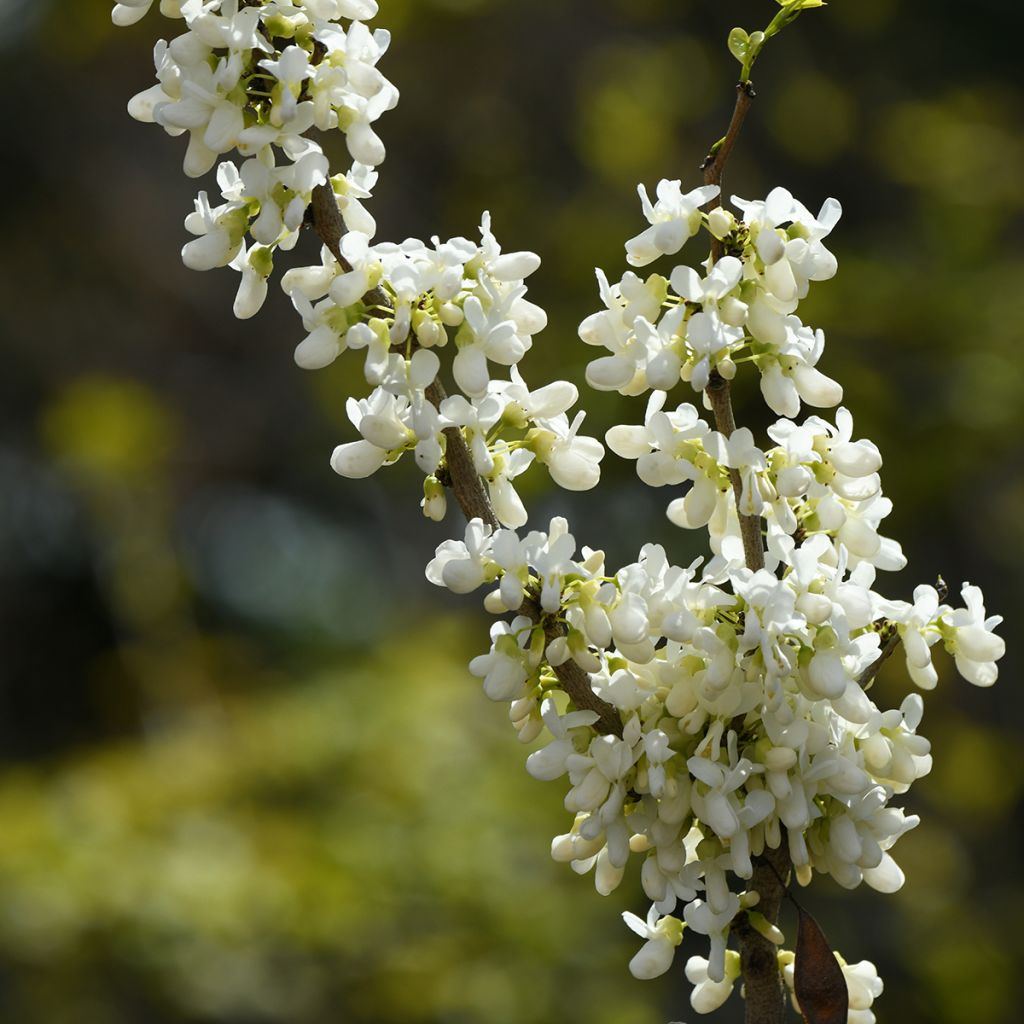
pixel 319 349
pixel 435 501
pixel 514 266
pixel 815 388
pixel 357 459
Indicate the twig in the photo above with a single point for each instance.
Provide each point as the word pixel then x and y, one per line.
pixel 463 479
pixel 718 390
pixel 718 393
pixel 714 163
pixel 891 640
pixel 867 677
pixel 329 225
pixel 464 482
pixel 762 981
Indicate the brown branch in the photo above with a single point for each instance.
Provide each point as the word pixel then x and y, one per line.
pixel 466 486
pixel 471 494
pixel 714 163
pixel 330 226
pixel 889 645
pixel 462 479
pixel 762 980
pixel 718 393
pixel 575 681
pixel 718 389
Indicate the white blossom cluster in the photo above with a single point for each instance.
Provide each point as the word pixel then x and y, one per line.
pixel 743 717
pixel 665 329
pixel 462 292
pixel 467 293
pixel 744 723
pixel 253 77
pixel 743 696
pixel 816 484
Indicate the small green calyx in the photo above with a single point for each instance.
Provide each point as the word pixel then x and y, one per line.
pixel 261 259
pixel 278 26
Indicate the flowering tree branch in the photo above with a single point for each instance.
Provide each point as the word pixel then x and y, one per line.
pixel 710 720
pixel 460 475
pixel 758 962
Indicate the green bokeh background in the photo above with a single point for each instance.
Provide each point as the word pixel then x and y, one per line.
pixel 244 774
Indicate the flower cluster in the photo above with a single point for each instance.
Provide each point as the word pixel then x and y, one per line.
pixel 745 723
pixel 468 293
pixel 255 78
pixel 737 709
pixel 816 482
pixel 682 327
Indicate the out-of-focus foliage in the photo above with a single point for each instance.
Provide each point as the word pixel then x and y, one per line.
pixel 234 787
pixel 363 846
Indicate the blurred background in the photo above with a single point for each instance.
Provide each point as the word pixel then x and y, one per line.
pixel 244 773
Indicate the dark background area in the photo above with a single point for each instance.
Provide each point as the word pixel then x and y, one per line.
pixel 244 773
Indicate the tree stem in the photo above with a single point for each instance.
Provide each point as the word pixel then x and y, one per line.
pixel 718 392
pixel 762 981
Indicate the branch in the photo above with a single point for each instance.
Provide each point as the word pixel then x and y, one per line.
pixel 762 980
pixel 718 390
pixel 462 477
pixel 892 641
pixel 329 225
pixel 464 482
pixel 718 393
pixel 714 163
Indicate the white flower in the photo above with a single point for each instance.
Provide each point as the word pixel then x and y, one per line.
pixel 613 329
pixel 673 218
pixel 510 266
pixel 662 937
pixel 550 762
pixel 551 555
pixel 508 664
pixel 464 565
pixel 792 257
pixel 506 465
pixel 130 11
pixel 486 334
pixel 717 326
pixel 291 71
pixel 973 645
pixel 219 232
pixel 918 630
pixel 864 986
pixel 573 461
pixel 708 995
pixel 700 916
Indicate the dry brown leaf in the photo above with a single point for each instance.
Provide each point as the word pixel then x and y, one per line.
pixel 818 979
